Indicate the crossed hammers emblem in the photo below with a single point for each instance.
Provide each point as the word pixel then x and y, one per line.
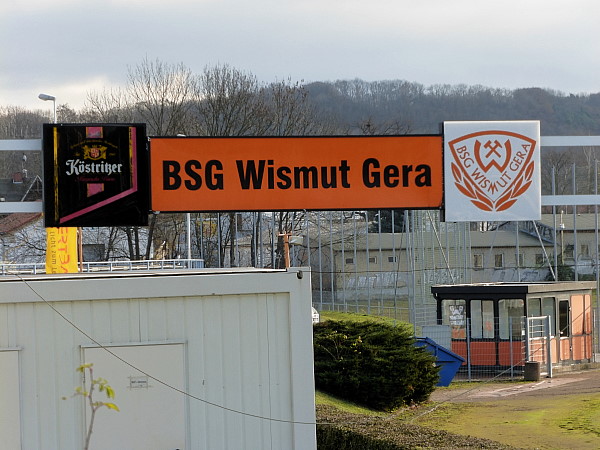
pixel 493 148
pixel 494 157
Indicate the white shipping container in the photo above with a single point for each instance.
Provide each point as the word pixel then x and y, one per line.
pixel 208 359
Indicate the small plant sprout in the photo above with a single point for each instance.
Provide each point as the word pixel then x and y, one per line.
pixel 89 386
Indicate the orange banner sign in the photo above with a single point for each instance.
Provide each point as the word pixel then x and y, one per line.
pixel 61 250
pixel 295 173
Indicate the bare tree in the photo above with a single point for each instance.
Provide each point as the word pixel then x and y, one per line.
pixel 108 243
pixel 158 94
pixel 370 127
pixel 110 105
pixel 19 123
pixel 290 113
pixel 116 106
pixel 161 94
pixel 207 237
pixel 26 245
pixel 168 235
pixel 590 155
pixel 560 162
pixel 228 103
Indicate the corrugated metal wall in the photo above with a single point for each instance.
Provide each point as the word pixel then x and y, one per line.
pixel 248 353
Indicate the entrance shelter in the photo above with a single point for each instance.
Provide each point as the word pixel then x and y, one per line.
pixel 489 327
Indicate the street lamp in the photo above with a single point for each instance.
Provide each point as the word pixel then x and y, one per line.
pixel 47 97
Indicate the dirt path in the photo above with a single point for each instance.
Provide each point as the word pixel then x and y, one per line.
pixel 562 412
pixel 570 383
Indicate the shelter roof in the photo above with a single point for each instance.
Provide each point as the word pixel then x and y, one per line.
pixel 510 289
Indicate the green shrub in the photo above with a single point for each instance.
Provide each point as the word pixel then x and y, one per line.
pixel 372 364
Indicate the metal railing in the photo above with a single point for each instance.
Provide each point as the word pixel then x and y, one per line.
pixel 107 266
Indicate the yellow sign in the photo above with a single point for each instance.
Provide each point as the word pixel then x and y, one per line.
pixel 61 250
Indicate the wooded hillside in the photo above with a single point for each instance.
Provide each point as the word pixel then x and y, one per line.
pixel 397 105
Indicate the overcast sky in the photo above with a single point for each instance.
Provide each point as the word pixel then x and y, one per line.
pixel 68 47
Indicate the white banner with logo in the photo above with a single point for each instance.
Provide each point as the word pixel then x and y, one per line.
pixel 492 171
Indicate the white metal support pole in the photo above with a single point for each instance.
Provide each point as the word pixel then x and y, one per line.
pixel 549 346
pixel 189 238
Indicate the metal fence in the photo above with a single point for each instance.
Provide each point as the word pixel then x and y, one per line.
pixel 489 358
pixel 361 263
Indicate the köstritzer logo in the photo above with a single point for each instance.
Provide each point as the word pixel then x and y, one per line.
pixel 493 168
pixel 94 152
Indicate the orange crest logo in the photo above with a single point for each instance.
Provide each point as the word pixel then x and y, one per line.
pixel 492 168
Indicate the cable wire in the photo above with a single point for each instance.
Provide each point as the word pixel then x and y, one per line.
pixel 165 384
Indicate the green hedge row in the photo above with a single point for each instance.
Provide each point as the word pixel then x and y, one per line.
pixel 333 438
pixel 341 430
pixel 372 364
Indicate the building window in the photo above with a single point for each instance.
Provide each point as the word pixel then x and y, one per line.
pixel 569 251
pixel 392 259
pixel 521 260
pixel 539 259
pixel 349 260
pixel 454 313
pixel 534 307
pixel 93 252
pixel 499 260
pixel 510 312
pixel 482 319
pixel 549 309
pixel 372 259
pixel 537 307
pixel 563 318
pixel 478 261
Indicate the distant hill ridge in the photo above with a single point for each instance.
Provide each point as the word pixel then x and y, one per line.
pixel 382 107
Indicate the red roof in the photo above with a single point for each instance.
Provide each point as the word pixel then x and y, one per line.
pixel 14 222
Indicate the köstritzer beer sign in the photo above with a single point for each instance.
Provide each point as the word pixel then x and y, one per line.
pixel 95 175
